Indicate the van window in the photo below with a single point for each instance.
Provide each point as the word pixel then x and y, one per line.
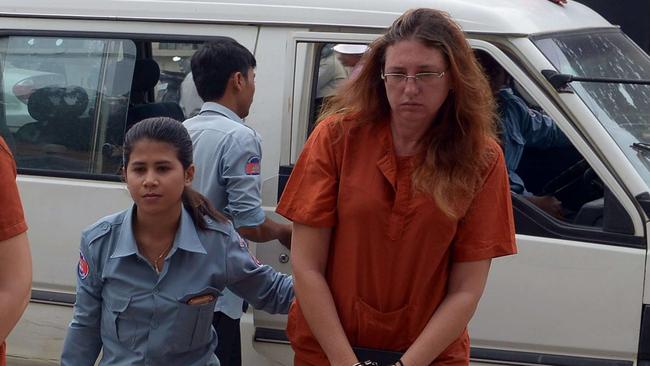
pixel 320 71
pixel 555 191
pixel 174 61
pixel 623 109
pixel 68 102
pixel 64 99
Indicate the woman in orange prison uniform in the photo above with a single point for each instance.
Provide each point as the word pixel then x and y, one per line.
pixel 391 247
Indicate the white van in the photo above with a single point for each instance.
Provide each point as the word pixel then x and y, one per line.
pixel 576 294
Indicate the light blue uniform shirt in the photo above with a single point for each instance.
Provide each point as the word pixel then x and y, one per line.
pixel 227 156
pixel 524 127
pixel 142 318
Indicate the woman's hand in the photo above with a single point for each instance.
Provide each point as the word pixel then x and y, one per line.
pixel 465 287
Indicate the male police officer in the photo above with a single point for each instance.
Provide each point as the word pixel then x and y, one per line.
pixel 227 155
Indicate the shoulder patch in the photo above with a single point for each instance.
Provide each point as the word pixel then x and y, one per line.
pixel 222 227
pixel 253 165
pixel 83 267
pixel 244 245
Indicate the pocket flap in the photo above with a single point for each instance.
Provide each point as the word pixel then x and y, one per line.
pixel 206 291
pixel 117 304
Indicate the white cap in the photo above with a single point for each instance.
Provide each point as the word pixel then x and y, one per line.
pixel 350 49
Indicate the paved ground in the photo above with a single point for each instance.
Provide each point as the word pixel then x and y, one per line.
pixel 21 362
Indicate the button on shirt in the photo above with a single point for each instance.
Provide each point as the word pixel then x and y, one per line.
pixel 227 156
pixel 141 317
pixel 524 127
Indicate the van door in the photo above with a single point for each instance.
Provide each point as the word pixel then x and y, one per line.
pixel 573 295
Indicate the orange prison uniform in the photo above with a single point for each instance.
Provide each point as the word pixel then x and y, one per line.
pixel 391 248
pixel 12 220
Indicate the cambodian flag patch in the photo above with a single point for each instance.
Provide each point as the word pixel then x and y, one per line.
pixel 244 245
pixel 83 268
pixel 253 165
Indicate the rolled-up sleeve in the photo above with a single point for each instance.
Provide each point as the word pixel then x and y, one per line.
pixel 241 163
pixel 83 341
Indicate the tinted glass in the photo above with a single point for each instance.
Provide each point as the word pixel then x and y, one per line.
pixel 65 101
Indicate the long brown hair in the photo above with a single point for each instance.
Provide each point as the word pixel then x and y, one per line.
pixel 457 142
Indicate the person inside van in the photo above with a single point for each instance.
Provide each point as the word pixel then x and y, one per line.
pixel 15 257
pixel 228 156
pixel 350 56
pixel 149 277
pixel 331 73
pixel 399 200
pixel 521 127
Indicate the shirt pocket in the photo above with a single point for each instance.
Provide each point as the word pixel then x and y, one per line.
pixel 193 325
pixel 382 330
pixel 118 320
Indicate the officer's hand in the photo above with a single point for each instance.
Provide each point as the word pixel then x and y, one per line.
pixel 285 237
pixel 549 204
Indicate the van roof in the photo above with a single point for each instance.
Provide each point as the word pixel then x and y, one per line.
pixel 476 16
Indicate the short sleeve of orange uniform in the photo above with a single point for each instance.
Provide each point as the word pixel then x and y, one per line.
pixel 12 220
pixel 487 229
pixel 310 197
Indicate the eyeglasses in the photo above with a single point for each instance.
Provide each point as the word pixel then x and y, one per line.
pixel 424 78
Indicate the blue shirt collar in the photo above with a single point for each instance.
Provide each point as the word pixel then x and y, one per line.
pixel 187 238
pixel 218 108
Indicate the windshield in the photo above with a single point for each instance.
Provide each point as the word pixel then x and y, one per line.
pixel 623 109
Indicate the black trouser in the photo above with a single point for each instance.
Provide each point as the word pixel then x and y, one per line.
pixel 229 347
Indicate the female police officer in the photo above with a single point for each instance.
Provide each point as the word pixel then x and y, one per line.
pixel 149 276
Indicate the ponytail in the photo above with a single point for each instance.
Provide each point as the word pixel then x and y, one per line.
pixel 199 207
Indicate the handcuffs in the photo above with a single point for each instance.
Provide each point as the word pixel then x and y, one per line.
pixel 372 363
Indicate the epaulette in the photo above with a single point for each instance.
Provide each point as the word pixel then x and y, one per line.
pixel 224 227
pixel 101 227
pixel 97 230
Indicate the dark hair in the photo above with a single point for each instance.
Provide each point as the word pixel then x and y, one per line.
pixel 215 62
pixel 459 138
pixel 489 65
pixel 171 131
